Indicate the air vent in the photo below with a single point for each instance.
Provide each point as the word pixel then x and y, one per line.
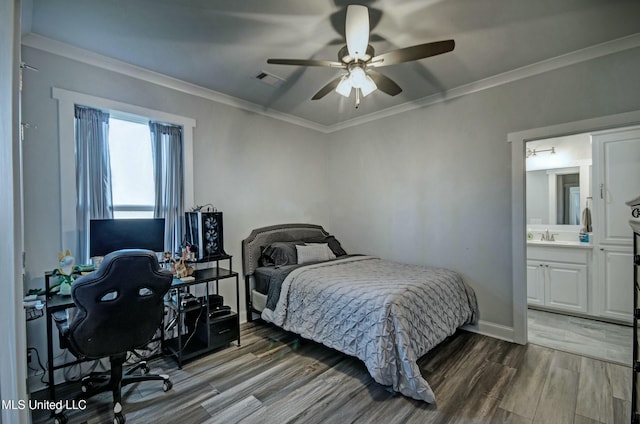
pixel 269 79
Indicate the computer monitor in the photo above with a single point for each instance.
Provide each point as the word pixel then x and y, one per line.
pixel 109 235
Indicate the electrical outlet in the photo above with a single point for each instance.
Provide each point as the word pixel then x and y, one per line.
pixel 28 356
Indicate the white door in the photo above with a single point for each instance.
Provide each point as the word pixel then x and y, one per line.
pixel 566 286
pixel 616 180
pixel 617 290
pixel 535 283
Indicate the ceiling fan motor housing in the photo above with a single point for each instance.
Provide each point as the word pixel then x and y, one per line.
pixel 343 55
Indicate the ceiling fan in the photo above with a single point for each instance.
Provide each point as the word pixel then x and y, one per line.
pixel 358 58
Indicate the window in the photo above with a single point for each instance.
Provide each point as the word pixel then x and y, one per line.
pixel 132 183
pixel 144 173
pixel 67 101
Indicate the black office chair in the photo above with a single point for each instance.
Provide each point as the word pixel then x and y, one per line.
pixel 119 308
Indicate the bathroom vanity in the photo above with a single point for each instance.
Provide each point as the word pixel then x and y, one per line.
pixel 558 275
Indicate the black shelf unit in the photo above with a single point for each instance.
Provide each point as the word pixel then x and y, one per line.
pixel 198 332
pixel 635 407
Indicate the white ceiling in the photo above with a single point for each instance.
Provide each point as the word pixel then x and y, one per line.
pixel 223 44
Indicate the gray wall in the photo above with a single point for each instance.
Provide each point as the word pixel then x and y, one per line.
pixel 433 186
pixel 257 170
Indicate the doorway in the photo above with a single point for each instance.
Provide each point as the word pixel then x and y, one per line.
pixel 577 281
pixel 518 142
pixel 561 285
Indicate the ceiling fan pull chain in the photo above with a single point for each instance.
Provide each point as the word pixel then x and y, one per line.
pixel 357 98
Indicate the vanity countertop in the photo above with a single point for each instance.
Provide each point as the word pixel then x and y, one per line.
pixel 560 243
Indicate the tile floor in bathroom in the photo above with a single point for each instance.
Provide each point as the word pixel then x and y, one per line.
pixel 587 337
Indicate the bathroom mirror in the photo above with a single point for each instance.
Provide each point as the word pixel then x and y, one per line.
pixel 553 196
pixel 568 199
pixel 558 180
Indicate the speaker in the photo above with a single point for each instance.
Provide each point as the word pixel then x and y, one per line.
pixel 204 231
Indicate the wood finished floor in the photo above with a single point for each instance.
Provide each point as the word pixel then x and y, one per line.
pixel 276 378
pixel 586 337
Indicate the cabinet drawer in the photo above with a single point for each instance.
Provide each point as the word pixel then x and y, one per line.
pixel 558 254
pixel 220 332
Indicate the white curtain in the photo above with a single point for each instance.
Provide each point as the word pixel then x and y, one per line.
pixel 93 174
pixel 166 144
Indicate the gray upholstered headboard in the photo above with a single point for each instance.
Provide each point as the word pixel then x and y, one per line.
pixel 264 236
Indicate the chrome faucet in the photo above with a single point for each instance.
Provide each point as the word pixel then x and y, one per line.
pixel 548 237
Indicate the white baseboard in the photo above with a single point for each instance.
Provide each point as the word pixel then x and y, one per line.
pixel 490 329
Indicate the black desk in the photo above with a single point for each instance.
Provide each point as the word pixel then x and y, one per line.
pixel 183 347
pixel 55 303
pixel 212 332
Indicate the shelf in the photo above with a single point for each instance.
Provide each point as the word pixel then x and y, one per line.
pixel 204 276
pixel 191 346
pixel 210 333
pixel 193 307
pixel 212 274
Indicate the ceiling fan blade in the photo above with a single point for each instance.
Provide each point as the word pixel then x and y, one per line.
pixel 384 83
pixel 305 62
pixel 356 30
pixel 408 54
pixel 327 89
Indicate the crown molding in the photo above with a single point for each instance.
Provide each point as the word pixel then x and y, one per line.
pixel 578 56
pixel 68 51
pixel 81 55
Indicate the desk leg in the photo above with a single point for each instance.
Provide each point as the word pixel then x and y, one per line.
pixel 52 386
pixel 238 305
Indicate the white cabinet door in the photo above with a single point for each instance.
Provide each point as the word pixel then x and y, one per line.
pixel 566 286
pixel 616 180
pixel 617 292
pixel 535 283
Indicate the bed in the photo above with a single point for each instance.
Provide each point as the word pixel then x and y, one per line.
pixel 385 313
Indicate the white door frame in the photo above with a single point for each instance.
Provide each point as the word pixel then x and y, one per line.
pixel 518 203
pixel 13 366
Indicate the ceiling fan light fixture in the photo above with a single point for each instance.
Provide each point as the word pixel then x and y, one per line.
pixel 357 76
pixel 358 58
pixel 368 86
pixel 344 86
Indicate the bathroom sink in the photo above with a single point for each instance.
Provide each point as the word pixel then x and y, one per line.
pixel 559 243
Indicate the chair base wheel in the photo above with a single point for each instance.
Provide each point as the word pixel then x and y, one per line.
pixel 60 419
pixel 144 369
pixel 167 385
pixel 119 419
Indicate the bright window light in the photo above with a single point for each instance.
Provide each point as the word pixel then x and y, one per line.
pixel 132 182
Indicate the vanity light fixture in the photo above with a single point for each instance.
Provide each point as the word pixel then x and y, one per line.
pixel 534 152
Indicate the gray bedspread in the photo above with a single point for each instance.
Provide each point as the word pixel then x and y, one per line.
pixel 385 313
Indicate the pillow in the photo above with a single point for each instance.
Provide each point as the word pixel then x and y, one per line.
pixel 314 253
pixel 280 253
pixel 334 244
